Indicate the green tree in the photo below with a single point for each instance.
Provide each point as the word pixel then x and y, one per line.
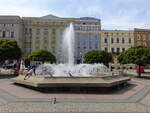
pixel 96 56
pixel 139 55
pixel 42 55
pixel 9 50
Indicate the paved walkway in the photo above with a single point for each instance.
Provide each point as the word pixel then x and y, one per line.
pixel 134 98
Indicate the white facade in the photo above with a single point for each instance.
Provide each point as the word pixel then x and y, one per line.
pixel 11 29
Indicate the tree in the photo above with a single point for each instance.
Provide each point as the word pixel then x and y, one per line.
pixel 9 50
pixel 96 56
pixel 139 55
pixel 42 55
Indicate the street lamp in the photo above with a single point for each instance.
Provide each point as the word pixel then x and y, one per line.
pixel 81 57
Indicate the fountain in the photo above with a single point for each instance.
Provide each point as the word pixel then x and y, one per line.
pixel 69 68
pixel 70 74
pixel 68 44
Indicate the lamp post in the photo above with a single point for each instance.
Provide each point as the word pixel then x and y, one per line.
pixel 81 57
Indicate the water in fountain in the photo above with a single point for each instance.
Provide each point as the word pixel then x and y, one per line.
pixel 69 69
pixel 82 70
pixel 68 45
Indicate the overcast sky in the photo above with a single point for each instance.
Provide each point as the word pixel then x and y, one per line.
pixel 114 14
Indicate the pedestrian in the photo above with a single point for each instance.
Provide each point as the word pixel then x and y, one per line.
pixel 34 68
pixel 29 73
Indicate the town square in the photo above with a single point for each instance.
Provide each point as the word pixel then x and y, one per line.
pixel 81 58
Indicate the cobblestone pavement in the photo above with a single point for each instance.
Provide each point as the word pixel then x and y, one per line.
pixel 64 105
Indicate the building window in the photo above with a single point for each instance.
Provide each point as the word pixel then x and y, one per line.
pixel 112 40
pixel 4 34
pixel 112 50
pixel 96 46
pixel 118 50
pixel 37 48
pixel 45 47
pixel 30 31
pixel 106 49
pixel 45 40
pixel 26 31
pixel 123 40
pixel 12 34
pixel 117 40
pixel 53 31
pixel 45 31
pixel 144 43
pixel 46 23
pixel 123 49
pixel 144 37
pixel 105 41
pixel 0 33
pixel 138 37
pixel 37 31
pixel 148 37
pixel 129 40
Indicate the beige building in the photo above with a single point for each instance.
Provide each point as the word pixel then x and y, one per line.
pixel 116 41
pixel 11 28
pixel 47 32
pixel 142 37
pixel 43 33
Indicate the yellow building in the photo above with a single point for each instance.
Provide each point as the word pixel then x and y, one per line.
pixel 47 32
pixel 43 33
pixel 116 41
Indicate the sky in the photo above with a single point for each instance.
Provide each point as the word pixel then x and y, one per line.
pixel 114 14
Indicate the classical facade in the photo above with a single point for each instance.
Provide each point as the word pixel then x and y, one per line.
pixel 87 36
pixel 11 29
pixel 142 37
pixel 116 41
pixel 47 32
pixel 43 33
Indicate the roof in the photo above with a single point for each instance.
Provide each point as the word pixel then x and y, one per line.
pixel 8 17
pixel 49 17
pixel 138 29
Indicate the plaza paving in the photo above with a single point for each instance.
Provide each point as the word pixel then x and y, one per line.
pixel 134 98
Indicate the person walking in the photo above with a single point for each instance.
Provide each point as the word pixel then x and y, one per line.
pixel 29 73
pixel 34 68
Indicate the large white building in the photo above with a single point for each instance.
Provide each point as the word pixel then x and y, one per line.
pixel 87 36
pixel 11 28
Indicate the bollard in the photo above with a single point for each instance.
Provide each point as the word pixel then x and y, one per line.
pixel 54 100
